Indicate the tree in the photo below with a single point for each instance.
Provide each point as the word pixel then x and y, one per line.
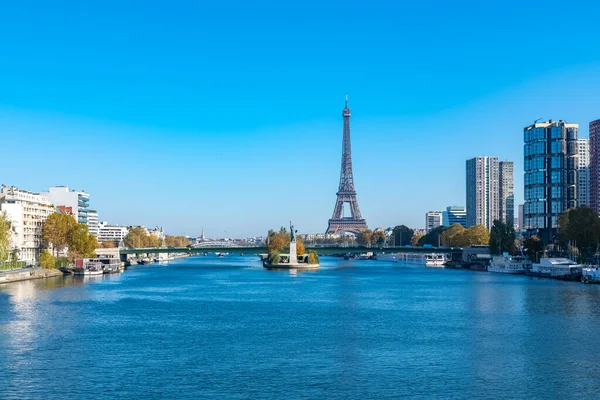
pixel 108 244
pixel 502 238
pixel 5 236
pixel 414 240
pixel 313 258
pixel 454 236
pixel 581 227
pixel 365 237
pixel 176 241
pixel 378 238
pixel 300 247
pixel 56 230
pixel 138 237
pixel 433 237
pixel 46 259
pixel 533 247
pixel 81 243
pixel 278 242
pixel 477 235
pixel 402 235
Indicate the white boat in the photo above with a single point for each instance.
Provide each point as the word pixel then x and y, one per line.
pixel 389 257
pixel 435 260
pixel 507 264
pixel 590 274
pixel 556 268
pixel 89 268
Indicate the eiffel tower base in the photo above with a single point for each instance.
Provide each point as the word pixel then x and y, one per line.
pixel 349 225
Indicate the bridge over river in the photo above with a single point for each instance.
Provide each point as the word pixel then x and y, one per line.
pixel 455 252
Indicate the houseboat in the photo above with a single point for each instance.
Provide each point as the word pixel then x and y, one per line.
pixel 556 268
pixel 506 264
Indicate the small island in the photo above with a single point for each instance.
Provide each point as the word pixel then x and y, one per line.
pixel 295 258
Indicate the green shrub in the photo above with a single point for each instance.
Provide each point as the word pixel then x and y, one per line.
pixel 313 258
pixel 274 258
pixel 47 259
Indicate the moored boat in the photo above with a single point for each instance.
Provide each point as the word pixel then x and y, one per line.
pixel 434 260
pixel 507 264
pixel 590 274
pixel 556 268
pixel 89 268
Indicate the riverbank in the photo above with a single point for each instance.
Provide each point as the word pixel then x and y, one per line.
pixel 24 274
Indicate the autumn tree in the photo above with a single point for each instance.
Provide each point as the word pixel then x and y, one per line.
pixel 81 243
pixel 414 240
pixel 47 259
pixel 365 237
pixel 138 237
pixel 454 236
pixel 5 236
pixel 176 241
pixel 108 244
pixel 300 250
pixel 278 241
pixel 378 238
pixel 56 230
pixel 402 235
pixel 477 235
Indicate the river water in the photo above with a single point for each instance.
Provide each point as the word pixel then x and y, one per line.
pixel 207 327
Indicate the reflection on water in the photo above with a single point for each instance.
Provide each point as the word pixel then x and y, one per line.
pixel 228 328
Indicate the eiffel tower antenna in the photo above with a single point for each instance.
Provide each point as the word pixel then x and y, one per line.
pixel 346 192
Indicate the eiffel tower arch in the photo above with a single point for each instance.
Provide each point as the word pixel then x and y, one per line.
pixel 346 193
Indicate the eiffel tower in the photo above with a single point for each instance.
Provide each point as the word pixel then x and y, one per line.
pixel 346 192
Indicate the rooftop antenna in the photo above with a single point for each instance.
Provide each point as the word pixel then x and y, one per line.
pixel 346 100
pixel 539 119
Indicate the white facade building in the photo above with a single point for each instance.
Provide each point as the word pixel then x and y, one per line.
pixel 78 201
pixel 483 191
pixel 583 172
pixel 27 212
pixel 111 233
pixel 433 219
pixel 93 224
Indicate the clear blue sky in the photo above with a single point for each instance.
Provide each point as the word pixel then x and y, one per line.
pixel 227 115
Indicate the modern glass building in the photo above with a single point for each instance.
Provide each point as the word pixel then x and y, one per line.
pixel 454 215
pixel 550 154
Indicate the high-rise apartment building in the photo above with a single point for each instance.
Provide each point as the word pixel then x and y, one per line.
pixel 595 165
pixel 483 192
pixel 550 154
pixel 27 213
pixel 583 172
pixel 433 219
pixel 507 192
pixel 454 215
pixel 79 202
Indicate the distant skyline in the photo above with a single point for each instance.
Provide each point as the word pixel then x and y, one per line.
pixel 227 116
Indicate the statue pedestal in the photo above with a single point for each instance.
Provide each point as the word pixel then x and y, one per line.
pixel 293 253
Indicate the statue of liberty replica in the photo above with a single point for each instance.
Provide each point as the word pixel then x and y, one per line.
pixel 293 251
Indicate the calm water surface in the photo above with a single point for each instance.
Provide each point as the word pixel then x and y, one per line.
pixel 205 327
